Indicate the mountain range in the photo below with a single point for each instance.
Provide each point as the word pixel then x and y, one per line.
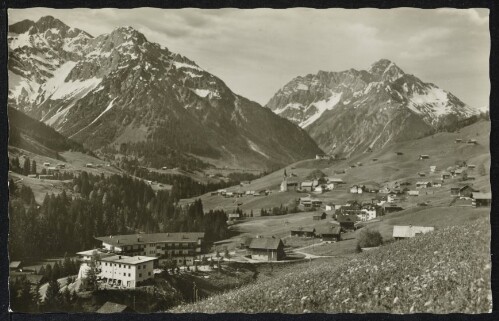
pixel 120 91
pixel 359 110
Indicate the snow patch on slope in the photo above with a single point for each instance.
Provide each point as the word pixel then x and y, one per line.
pixel 321 106
pixel 257 149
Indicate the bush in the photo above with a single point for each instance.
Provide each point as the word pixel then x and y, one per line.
pixel 369 238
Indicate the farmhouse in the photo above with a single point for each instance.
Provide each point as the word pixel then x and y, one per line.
pixel 422 157
pixel 460 173
pixel 371 188
pixel 322 156
pixel 320 189
pixel 458 140
pixel 356 189
pixel 308 185
pixel 445 175
pixel 367 213
pixel 89 165
pixel 471 166
pixel 384 190
pixel 413 193
pixel 347 222
pixel 481 199
pixel 423 184
pixel 288 184
pixel 339 171
pixel 402 232
pixel 180 247
pixel 266 249
pixel 421 174
pixel 433 168
pixel 234 216
pixel 436 184
pixel 472 142
pixel 15 265
pixel 329 233
pixel 336 180
pixel 462 191
pixel 303 232
pixel 319 216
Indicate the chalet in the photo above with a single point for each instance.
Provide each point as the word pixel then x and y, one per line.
pixel 392 209
pixel 319 216
pixel 423 184
pixel 375 159
pixel 458 140
pixel 339 171
pixel 308 185
pixel 306 202
pixel 249 193
pixel 392 197
pixel 472 142
pixel 244 242
pixel 320 189
pixel 462 191
pixel 347 222
pixel 359 164
pixel 15 265
pixel 303 232
pixel 421 174
pixel 329 233
pixel 436 184
pixel 32 176
pixel 45 176
pixel 413 193
pixel 460 172
pixel 322 156
pixel 481 199
pixel 330 207
pixel 61 166
pixel 403 232
pixel 422 157
pixel 222 192
pixel 353 166
pixel 234 216
pixel 379 200
pixel 336 180
pixel 471 178
pixel 229 194
pixel 46 164
pixel 330 186
pixel 111 307
pixel 367 213
pixel 354 209
pixel 244 183
pixel 433 168
pixel 266 249
pixel 165 168
pixel 446 175
pixel 289 184
pixel 89 165
pixel 214 193
pixel 471 166
pixel 316 203
pixel 399 153
pixel 356 189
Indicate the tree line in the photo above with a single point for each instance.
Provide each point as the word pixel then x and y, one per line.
pixel 100 205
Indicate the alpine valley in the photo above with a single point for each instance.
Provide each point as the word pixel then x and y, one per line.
pixel 351 111
pixel 120 92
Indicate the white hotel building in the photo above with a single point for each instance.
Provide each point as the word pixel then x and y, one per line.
pixel 119 270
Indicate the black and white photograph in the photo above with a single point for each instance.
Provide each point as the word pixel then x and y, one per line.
pixel 260 160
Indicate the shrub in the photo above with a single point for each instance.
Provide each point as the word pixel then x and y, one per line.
pixel 369 238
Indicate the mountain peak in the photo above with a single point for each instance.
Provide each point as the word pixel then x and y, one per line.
pixel 48 22
pixel 385 69
pixel 126 33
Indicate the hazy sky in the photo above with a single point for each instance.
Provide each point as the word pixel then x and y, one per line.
pixel 258 51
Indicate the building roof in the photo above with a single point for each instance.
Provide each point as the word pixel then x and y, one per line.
pixel 304 229
pixel 265 243
pixel 421 183
pixel 91 252
pixel 335 180
pixel 332 229
pixel 15 264
pixel 128 259
pixel 307 183
pixel 111 307
pixel 130 239
pixel 410 231
pixel 482 196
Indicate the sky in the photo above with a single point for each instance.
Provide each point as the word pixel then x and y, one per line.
pixel 257 51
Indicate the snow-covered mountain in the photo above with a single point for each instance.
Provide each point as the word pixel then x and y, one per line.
pixel 357 110
pixel 120 89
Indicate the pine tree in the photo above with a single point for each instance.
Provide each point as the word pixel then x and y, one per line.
pixel 26 166
pixel 91 276
pixel 53 296
pixel 33 167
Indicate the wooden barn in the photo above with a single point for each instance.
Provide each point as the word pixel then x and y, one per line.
pixel 267 249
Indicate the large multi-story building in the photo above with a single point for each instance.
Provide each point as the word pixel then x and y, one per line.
pixel 117 270
pixel 179 247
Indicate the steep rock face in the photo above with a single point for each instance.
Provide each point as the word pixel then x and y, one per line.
pixel 354 110
pixel 123 89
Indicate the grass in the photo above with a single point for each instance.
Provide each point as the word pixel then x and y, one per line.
pixel 444 271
